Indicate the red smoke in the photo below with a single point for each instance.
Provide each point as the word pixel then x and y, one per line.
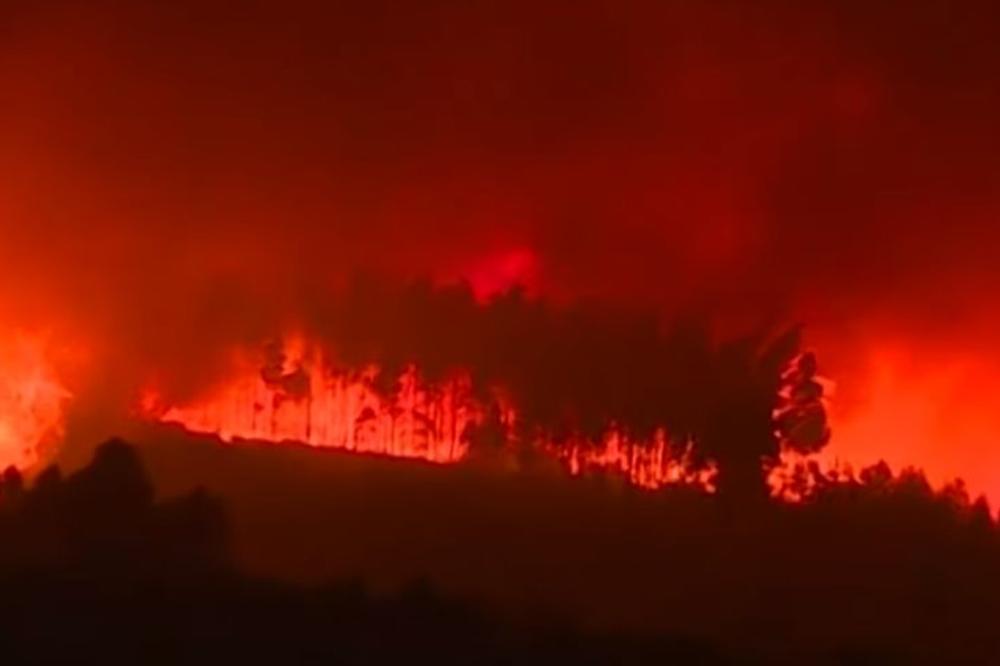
pixel 178 181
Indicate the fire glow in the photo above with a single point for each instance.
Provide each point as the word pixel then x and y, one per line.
pixel 299 397
pixel 32 401
pixel 293 393
pixel 296 399
pixel 647 465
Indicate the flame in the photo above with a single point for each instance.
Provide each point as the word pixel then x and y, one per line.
pixel 303 400
pixel 32 401
pixel 298 395
pixel 646 464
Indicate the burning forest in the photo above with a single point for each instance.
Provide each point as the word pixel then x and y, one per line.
pixel 644 314
pixel 596 389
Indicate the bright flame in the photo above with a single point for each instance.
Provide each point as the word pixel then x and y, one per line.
pixel 299 399
pixel 645 464
pixel 32 402
pixel 295 395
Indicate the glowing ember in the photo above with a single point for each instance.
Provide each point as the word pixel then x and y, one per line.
pixel 32 402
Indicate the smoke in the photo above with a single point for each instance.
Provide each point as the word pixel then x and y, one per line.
pixel 176 180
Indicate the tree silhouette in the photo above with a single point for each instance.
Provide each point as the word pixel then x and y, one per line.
pixel 762 398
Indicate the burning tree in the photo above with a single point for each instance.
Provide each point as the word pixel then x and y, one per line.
pixel 426 373
pixel 762 399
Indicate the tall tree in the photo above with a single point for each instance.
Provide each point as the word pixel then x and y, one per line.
pixel 763 398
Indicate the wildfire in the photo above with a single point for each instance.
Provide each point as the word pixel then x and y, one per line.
pixel 297 397
pixel 295 394
pixel 645 464
pixel 32 401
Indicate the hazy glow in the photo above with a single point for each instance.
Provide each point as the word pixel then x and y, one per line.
pixel 935 410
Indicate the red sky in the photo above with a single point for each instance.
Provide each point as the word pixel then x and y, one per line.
pixel 178 176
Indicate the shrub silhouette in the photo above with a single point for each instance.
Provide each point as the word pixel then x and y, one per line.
pixel 873 568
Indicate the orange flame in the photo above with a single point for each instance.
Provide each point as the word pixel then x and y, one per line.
pixel 646 464
pixel 298 397
pixel 302 400
pixel 32 402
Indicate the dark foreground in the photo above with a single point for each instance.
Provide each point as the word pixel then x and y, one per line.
pixel 93 569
